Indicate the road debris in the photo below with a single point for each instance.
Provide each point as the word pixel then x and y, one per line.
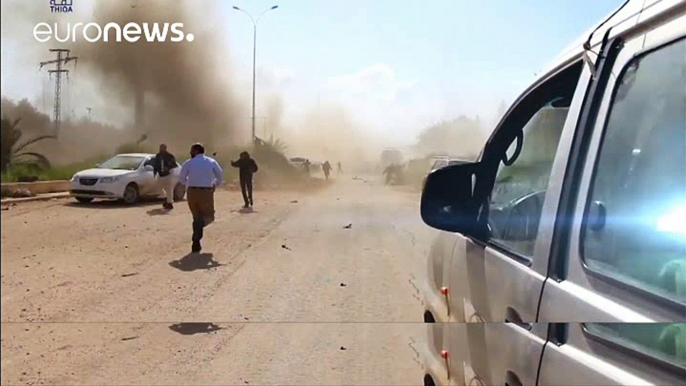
pixel 343 348
pixel 349 226
pixel 194 328
pixel 129 274
pixel 343 285
pixel 129 338
pixel 284 246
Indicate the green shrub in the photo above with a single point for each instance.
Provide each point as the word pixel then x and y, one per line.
pixel 57 172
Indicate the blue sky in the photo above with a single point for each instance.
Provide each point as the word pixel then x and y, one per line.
pixel 395 66
pixel 398 66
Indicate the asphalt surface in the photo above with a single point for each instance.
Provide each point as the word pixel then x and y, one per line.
pixel 311 288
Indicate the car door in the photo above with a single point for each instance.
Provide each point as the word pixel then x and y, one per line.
pixel 494 353
pixel 499 278
pixel 625 259
pixel 147 183
pixel 615 354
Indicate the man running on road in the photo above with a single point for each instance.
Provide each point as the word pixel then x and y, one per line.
pixel 327 169
pixel 163 163
pixel 201 175
pixel 246 168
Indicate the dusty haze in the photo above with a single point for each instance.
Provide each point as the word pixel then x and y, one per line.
pixel 189 90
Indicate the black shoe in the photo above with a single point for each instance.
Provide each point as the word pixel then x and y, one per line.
pixel 196 247
pixel 170 206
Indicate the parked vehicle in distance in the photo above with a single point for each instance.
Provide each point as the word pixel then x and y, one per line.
pixel 574 213
pixel 391 157
pixel 443 161
pixel 298 162
pixel 123 177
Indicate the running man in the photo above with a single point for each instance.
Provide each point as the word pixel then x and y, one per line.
pixel 246 168
pixel 201 175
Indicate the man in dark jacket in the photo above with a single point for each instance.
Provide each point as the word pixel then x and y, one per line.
pixel 246 167
pixel 163 163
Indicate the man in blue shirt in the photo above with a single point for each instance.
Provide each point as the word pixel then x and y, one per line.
pixel 201 175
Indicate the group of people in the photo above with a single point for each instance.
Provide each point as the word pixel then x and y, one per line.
pixel 201 175
pixel 326 168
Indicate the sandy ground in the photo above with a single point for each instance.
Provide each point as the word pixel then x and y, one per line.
pixel 287 295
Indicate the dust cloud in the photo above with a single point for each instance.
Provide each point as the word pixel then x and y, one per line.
pixel 177 93
pixel 329 132
pixel 180 92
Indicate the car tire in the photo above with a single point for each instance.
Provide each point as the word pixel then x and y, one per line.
pixel 179 192
pixel 84 200
pixel 131 194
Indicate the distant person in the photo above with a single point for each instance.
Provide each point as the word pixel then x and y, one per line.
pixel 340 168
pixel 390 172
pixel 246 168
pixel 306 166
pixel 201 175
pixel 162 164
pixel 327 169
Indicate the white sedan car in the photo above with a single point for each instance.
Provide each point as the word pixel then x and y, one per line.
pixel 123 177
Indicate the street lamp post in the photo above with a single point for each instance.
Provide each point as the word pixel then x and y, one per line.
pixel 254 58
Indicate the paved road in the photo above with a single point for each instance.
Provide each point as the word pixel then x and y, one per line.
pixel 289 295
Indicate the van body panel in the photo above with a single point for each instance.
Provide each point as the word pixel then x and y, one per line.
pixel 494 349
pixel 584 296
pixel 440 255
pixel 434 365
pixel 489 284
pixel 582 361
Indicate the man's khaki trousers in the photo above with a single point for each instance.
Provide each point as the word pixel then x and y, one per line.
pixel 201 204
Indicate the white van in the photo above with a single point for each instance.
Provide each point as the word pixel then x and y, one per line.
pixel 574 214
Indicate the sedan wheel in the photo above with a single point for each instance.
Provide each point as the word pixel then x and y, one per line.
pixel 131 194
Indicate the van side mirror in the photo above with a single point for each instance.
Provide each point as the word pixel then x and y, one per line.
pixel 448 202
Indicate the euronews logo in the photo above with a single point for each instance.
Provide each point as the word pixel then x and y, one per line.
pixel 131 32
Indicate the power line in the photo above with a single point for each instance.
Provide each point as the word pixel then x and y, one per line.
pixel 63 57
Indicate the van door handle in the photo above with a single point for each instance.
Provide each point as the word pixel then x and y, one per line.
pixel 512 316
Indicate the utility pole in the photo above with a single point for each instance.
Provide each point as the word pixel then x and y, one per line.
pixel 63 57
pixel 254 58
pixel 90 110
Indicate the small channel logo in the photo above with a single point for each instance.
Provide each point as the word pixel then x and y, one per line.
pixel 61 6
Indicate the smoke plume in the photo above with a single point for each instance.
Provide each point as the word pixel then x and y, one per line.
pixel 179 91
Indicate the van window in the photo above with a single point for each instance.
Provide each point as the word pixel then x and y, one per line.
pixel 519 191
pixel 663 341
pixel 635 225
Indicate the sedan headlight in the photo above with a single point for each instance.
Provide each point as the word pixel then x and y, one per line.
pixel 73 178
pixel 110 180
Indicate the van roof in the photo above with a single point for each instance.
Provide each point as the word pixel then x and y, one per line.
pixel 623 18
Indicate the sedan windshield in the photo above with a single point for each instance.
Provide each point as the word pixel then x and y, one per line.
pixel 122 162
